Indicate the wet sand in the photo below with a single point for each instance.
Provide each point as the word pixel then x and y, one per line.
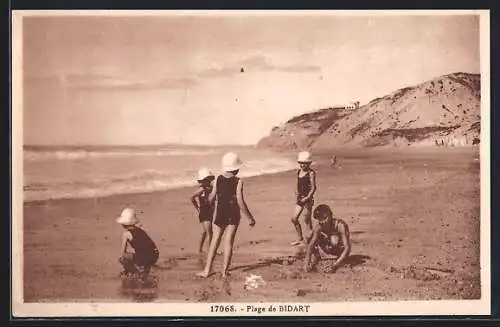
pixel 407 211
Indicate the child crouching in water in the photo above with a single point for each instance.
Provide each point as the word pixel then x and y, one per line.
pixel 145 253
pixel 203 205
pixel 229 202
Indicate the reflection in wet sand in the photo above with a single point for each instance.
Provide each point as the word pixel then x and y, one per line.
pixel 139 290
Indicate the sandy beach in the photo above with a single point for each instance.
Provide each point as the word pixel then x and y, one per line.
pixel 414 220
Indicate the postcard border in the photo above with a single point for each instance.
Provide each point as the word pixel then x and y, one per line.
pixel 441 307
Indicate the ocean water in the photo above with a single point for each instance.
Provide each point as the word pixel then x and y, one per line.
pixel 79 172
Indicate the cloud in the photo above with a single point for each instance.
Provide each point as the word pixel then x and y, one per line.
pixel 257 63
pixel 97 82
pixel 222 72
pixel 261 63
pixel 100 82
pixel 120 84
pixel 300 69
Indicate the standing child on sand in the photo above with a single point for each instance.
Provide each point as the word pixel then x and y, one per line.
pixel 200 200
pixel 229 202
pixel 145 253
pixel 306 187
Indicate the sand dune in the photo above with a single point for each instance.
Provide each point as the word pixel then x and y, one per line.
pixel 444 111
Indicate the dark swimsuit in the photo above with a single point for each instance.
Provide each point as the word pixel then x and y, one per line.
pixel 146 252
pixel 303 188
pixel 332 228
pixel 206 209
pixel 227 208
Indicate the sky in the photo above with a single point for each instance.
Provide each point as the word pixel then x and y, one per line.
pixel 220 79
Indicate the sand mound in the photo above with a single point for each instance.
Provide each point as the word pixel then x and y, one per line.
pixel 421 273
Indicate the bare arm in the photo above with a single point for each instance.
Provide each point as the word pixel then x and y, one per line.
pixel 347 247
pixel 310 246
pixel 125 240
pixel 194 201
pixel 296 193
pixel 242 203
pixel 211 197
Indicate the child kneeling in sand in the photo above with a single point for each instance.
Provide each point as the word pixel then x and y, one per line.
pixel 202 204
pixel 330 236
pixel 229 202
pixel 306 187
pixel 145 253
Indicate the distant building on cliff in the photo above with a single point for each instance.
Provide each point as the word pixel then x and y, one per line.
pixel 353 105
pixel 350 106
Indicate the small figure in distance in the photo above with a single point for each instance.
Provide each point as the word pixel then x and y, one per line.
pixel 334 161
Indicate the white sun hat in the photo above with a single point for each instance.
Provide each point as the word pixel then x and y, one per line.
pixel 127 217
pixel 204 173
pixel 305 157
pixel 231 162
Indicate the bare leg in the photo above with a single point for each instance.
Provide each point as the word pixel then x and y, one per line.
pixel 307 217
pixel 296 223
pixel 228 248
pixel 214 245
pixel 128 264
pixel 207 231
pixel 202 239
pixel 145 272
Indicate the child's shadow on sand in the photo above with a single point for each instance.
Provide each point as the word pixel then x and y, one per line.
pixel 352 260
pixel 259 264
pixel 356 259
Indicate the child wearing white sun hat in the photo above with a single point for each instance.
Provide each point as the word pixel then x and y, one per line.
pixel 145 253
pixel 229 202
pixel 204 206
pixel 306 187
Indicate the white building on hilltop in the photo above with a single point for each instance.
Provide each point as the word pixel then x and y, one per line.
pixel 353 105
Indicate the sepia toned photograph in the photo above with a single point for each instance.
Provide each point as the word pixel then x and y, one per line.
pixel 236 163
